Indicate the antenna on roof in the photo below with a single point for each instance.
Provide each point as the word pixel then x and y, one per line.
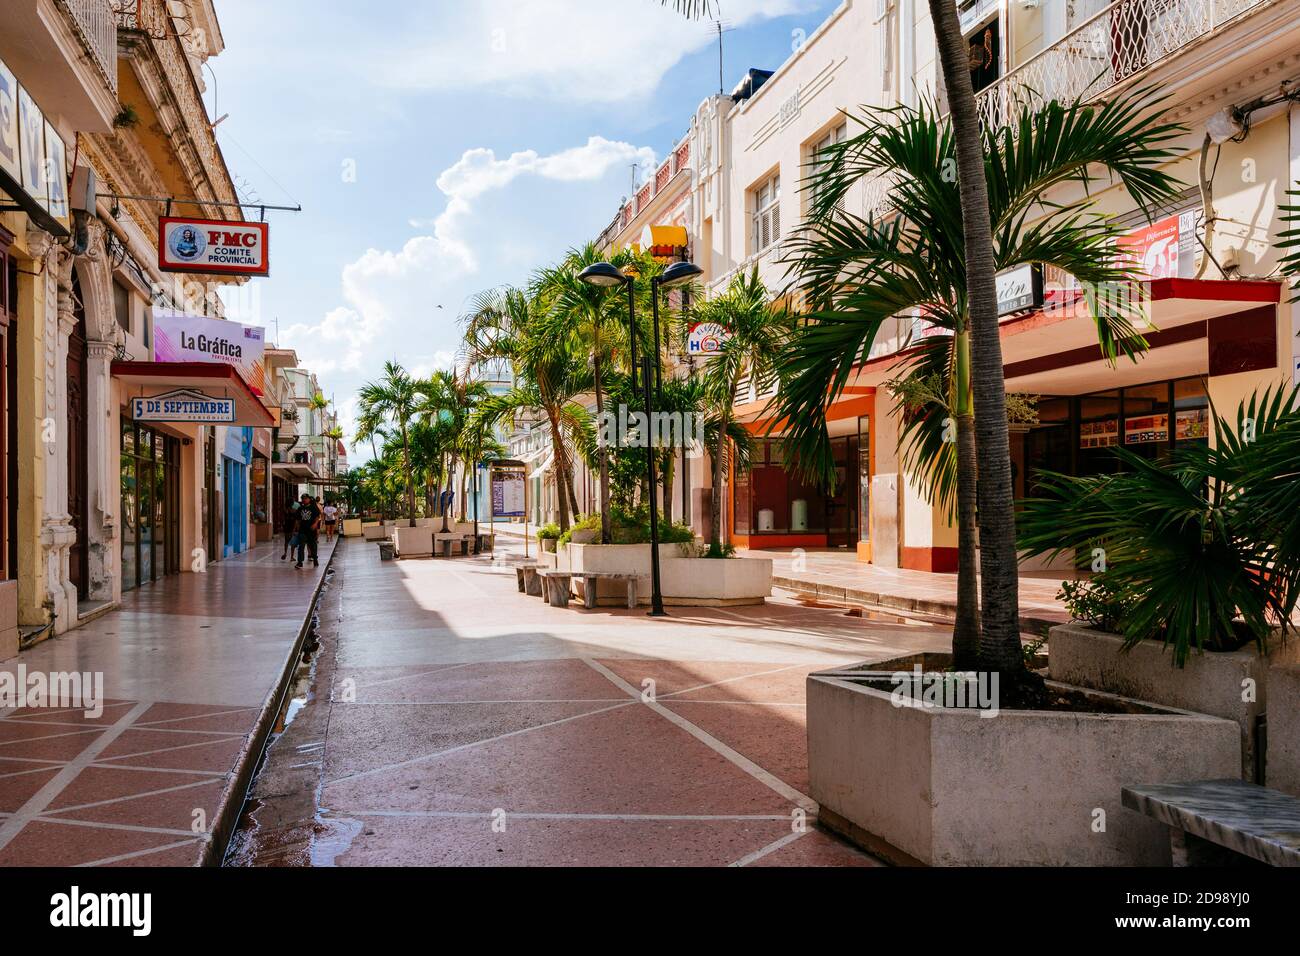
pixel 721 26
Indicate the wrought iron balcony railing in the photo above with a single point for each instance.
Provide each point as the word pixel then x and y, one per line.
pixel 1106 50
pixel 95 22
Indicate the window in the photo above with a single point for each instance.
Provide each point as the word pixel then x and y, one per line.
pixel 767 214
pixel 122 305
pixel 818 160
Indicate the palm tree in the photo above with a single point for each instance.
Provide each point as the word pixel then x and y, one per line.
pixel 395 399
pixel 857 273
pixel 521 327
pixel 758 334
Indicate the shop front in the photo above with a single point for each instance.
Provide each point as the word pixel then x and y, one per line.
pixel 775 507
pixel 186 454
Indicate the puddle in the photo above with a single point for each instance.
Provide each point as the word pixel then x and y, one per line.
pixel 853 610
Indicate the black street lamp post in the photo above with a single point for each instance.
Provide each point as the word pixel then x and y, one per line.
pixel 605 275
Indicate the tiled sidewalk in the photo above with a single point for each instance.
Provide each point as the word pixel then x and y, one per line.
pixel 188 666
pixel 456 721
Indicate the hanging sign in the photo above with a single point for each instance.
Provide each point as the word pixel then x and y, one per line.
pixel 1164 249
pixel 706 338
pixel 179 337
pixel 183 405
pixel 213 246
pixel 508 494
pixel 1019 289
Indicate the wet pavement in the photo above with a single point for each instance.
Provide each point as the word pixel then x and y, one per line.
pixel 450 720
pixel 188 664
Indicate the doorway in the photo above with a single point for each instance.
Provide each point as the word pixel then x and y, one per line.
pixel 79 556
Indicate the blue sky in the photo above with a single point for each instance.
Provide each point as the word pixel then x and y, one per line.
pixel 449 147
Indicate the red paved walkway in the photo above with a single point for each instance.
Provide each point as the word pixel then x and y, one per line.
pixel 457 721
pixel 187 665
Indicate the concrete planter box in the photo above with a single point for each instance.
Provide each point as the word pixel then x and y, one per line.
pixel 948 787
pixel 374 532
pixel 414 542
pixel 547 544
pixel 352 527
pixel 1211 683
pixel 716 581
pixel 616 559
pixel 1283 765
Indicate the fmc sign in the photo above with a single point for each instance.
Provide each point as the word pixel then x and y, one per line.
pixel 213 246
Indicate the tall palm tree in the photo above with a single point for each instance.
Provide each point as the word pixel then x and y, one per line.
pixel 395 398
pixel 857 273
pixel 758 334
pixel 588 310
pixel 521 327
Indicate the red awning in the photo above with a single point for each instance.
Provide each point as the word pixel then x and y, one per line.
pixel 215 379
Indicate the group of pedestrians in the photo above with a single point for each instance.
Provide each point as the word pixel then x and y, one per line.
pixel 302 525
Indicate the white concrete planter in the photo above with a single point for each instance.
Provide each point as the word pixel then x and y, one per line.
pixel 716 581
pixel 351 527
pixel 374 532
pixel 414 542
pixel 547 544
pixel 1214 682
pixel 1283 765
pixel 947 787
pixel 618 559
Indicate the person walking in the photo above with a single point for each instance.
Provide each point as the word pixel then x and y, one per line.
pixel 331 517
pixel 309 520
pixel 290 529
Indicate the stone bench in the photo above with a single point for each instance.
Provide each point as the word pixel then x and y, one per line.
pixel 445 541
pixel 558 583
pixel 1222 822
pixel 529 582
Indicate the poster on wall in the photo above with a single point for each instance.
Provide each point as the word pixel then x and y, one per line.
pixel 180 337
pixel 213 246
pixel 1164 249
pixel 1145 429
pixel 508 494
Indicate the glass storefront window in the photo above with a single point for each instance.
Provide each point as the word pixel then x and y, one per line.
pixel 150 482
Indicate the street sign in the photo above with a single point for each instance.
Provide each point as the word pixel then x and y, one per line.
pixel 213 246
pixel 183 405
pixel 1020 288
pixel 706 338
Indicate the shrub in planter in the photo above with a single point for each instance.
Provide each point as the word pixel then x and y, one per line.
pixel 547 535
pixel 1201 551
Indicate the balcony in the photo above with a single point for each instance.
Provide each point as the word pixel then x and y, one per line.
pixel 1108 50
pixel 65 53
pixel 166 93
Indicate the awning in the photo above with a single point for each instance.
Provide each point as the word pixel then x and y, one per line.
pixel 663 240
pixel 213 379
pixel 294 469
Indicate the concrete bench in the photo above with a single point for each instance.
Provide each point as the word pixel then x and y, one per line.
pixel 558 583
pixel 1222 822
pixel 444 542
pixel 519 575
pixel 530 583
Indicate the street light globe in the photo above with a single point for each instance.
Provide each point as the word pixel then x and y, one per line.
pixel 602 274
pixel 679 273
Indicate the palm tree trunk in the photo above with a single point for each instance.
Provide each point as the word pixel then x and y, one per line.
pixel 1000 610
pixel 669 463
pixel 560 463
pixel 966 625
pixel 715 504
pixel 410 477
pixel 601 451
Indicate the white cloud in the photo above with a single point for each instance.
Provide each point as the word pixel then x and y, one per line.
pixel 403 303
pixel 588 50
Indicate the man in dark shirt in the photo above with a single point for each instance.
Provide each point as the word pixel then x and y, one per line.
pixel 309 518
pixel 290 528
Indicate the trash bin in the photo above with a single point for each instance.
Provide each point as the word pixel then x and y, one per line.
pixel 385 550
pixel 766 519
pixel 799 515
